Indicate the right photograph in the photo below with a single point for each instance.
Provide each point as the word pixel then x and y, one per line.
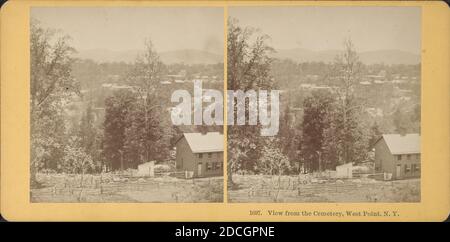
pixel 324 104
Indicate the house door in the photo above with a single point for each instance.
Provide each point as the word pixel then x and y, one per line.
pixel 398 169
pixel 199 169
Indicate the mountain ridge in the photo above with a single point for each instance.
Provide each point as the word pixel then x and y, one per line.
pixel 367 57
pixel 194 56
pixel 187 56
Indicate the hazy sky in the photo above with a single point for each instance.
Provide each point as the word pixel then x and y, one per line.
pixel 125 28
pixel 322 28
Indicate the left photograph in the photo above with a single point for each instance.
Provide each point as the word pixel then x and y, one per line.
pixel 126 104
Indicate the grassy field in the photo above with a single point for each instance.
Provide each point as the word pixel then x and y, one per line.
pixel 63 188
pixel 258 188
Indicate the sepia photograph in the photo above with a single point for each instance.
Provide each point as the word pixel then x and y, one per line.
pixel 345 109
pixel 106 85
pixel 225 111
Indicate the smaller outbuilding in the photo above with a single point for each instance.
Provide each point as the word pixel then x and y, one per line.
pixel 146 169
pixel 344 171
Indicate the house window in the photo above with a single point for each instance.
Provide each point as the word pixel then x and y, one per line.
pixel 417 167
pixel 208 166
pixel 399 157
pixel 200 155
pixel 216 165
pixel 408 157
pixel 407 168
pixel 209 155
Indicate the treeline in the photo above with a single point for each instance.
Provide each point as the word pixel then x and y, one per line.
pixel 287 70
pixel 91 74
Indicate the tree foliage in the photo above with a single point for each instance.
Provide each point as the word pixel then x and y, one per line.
pixel 117 108
pixel 248 68
pixel 76 160
pixel 318 109
pixel 346 132
pixel 52 85
pixel 134 130
pixel 272 160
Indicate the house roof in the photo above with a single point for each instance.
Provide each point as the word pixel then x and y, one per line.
pixel 202 143
pixel 402 144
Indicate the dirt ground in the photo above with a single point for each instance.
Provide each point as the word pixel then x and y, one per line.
pixel 259 188
pixel 56 188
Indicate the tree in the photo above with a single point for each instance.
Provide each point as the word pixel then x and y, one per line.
pixel 288 135
pixel 273 161
pixel 89 135
pixel 248 68
pixel 346 132
pixel 87 131
pixel 76 160
pixel 317 109
pixel 145 139
pixel 117 108
pixel 52 85
pixel 346 138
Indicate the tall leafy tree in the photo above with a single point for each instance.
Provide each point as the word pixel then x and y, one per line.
pixel 346 138
pixel 90 135
pixel 148 136
pixel 87 130
pixel 248 68
pixel 317 109
pixel 346 132
pixel 117 108
pixel 52 85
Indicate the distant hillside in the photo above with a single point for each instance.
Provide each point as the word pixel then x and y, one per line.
pixel 368 57
pixel 188 56
pixel 191 56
